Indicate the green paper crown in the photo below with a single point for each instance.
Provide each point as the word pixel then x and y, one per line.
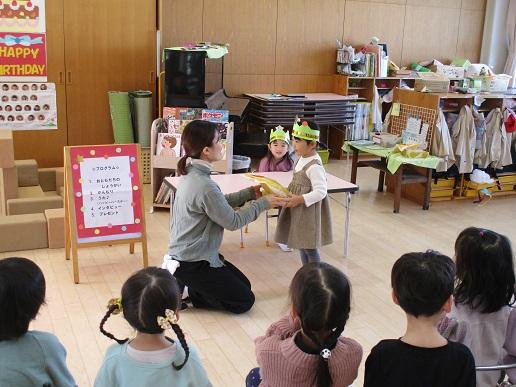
pixel 304 131
pixel 279 134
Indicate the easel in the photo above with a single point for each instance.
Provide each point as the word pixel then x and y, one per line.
pixel 72 243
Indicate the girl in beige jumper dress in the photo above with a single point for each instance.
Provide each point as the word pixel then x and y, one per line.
pixel 305 221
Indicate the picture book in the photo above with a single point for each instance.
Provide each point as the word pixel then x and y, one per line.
pixel 168 144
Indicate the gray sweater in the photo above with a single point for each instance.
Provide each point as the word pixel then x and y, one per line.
pixel 201 213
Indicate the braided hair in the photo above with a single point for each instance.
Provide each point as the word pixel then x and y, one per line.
pixel 321 298
pixel 145 296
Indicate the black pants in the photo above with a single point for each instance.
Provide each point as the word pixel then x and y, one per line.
pixel 224 288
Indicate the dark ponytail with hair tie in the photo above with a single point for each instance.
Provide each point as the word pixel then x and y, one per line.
pixel 196 136
pixel 321 298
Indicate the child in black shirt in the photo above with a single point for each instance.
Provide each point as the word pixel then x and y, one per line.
pixel 422 285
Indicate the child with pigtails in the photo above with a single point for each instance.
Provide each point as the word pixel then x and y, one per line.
pixel 150 303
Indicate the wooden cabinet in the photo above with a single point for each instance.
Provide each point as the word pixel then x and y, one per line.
pixel 93 47
pixel 46 146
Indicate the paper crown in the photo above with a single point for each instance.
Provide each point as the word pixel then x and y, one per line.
pixel 279 134
pixel 304 131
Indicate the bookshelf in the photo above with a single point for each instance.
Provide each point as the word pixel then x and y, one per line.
pixel 451 188
pixel 364 86
pixel 163 166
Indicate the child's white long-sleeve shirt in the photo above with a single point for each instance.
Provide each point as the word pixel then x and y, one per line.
pixel 317 176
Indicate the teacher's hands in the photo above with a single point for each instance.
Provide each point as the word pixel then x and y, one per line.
pixel 276 201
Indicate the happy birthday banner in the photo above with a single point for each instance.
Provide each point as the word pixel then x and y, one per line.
pixel 23 56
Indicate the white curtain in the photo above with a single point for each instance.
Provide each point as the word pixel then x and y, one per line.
pixel 510 65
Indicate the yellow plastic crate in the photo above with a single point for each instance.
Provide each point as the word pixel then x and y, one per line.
pixel 507 179
pixel 507 187
pixel 470 185
pixel 443 183
pixel 441 193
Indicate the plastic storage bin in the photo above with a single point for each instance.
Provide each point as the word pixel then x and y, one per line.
pixel 241 164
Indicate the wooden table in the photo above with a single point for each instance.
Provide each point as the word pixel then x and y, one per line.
pixel 236 182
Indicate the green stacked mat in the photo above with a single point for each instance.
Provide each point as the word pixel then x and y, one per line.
pixel 121 117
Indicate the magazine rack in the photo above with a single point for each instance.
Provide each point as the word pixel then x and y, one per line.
pixel 163 166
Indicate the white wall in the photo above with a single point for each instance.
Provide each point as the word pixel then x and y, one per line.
pixel 494 41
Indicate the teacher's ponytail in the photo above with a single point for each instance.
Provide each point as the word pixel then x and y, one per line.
pixel 181 166
pixel 196 136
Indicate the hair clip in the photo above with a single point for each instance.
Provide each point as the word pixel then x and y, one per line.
pixel 167 321
pixel 117 302
pixel 482 233
pixel 325 354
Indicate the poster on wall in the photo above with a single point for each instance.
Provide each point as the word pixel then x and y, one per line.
pixel 28 106
pixel 106 192
pixel 23 41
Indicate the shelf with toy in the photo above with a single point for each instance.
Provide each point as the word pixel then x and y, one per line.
pixel 166 152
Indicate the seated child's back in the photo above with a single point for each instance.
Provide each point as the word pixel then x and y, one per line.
pixel 306 348
pixel 28 358
pixel 483 295
pixel 422 285
pixel 150 303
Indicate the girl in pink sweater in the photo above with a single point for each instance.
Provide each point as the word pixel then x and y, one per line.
pixel 305 348
pixel 278 157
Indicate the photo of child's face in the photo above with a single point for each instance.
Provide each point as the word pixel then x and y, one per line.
pixel 5 87
pixel 24 97
pixel 33 98
pixel 2 118
pixel 26 108
pixel 37 108
pixel 14 87
pixel 30 117
pixel 19 118
pixel 14 98
pixel 34 87
pixel 25 87
pixel 41 117
pixel 43 87
pixel 5 98
pixel 46 107
pixel 8 108
pixel 10 118
pixel 18 108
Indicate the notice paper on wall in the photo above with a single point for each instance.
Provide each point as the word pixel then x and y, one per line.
pixel 28 106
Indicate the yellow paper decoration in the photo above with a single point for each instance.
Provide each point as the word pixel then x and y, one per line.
pixel 269 186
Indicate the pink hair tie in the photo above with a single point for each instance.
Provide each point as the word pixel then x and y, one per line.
pixel 481 233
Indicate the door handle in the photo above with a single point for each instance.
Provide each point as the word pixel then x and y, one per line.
pixel 60 77
pixel 151 77
pixel 69 76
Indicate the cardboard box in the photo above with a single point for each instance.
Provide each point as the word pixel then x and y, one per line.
pixel 431 82
pixel 448 71
pixel 55 227
pixel 6 149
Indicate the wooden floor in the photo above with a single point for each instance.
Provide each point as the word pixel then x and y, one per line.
pixel 378 238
